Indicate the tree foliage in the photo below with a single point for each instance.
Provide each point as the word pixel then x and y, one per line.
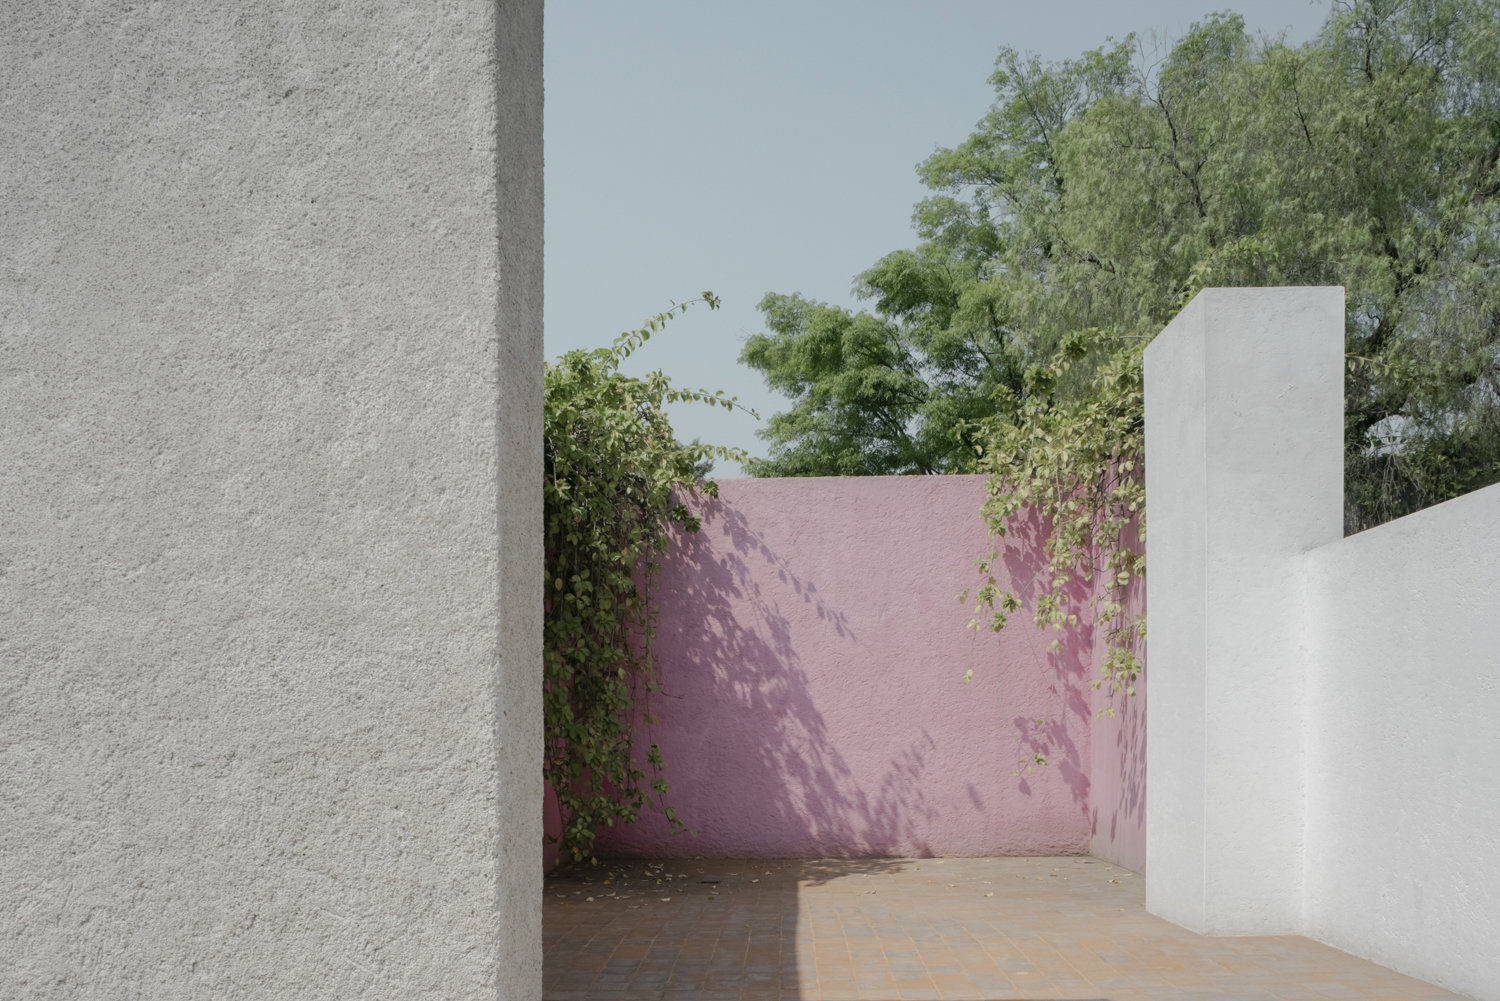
pixel 614 473
pixel 1100 193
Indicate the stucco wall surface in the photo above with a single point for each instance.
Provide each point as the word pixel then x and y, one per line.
pixel 254 372
pixel 1403 821
pixel 1323 737
pixel 812 653
pixel 1244 454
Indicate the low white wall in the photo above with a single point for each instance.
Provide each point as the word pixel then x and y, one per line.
pixel 1403 744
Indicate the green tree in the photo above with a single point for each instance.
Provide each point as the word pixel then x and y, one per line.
pixel 614 476
pixel 1099 194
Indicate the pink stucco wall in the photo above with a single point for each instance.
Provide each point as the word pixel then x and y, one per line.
pixel 812 653
pixel 1117 765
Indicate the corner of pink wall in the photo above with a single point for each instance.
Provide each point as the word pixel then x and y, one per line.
pixel 1117 767
pixel 551 828
pixel 814 653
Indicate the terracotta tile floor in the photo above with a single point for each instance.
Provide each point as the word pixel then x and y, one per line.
pixel 892 930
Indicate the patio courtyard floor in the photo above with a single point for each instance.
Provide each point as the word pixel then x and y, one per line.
pixel 908 930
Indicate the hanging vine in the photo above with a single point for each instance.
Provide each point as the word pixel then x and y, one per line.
pixel 614 475
pixel 1075 459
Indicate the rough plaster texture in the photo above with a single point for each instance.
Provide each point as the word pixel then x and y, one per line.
pixel 812 654
pixel 1403 817
pixel 1244 474
pixel 268 557
pixel 515 692
pixel 1354 672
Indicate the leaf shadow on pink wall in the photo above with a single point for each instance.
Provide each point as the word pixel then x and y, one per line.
pixel 1052 736
pixel 752 767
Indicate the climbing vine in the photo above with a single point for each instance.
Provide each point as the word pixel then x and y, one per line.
pixel 1075 459
pixel 614 474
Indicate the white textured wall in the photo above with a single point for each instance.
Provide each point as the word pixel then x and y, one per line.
pixel 1403 749
pixel 1176 511
pixel 1323 715
pixel 1244 396
pixel 269 352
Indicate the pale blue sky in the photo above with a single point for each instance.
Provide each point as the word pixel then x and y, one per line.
pixel 769 146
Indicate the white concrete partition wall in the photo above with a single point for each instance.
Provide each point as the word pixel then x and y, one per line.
pixel 270 350
pixel 1325 712
pixel 1244 474
pixel 1403 748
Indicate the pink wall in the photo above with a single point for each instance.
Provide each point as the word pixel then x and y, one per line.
pixel 1117 765
pixel 812 653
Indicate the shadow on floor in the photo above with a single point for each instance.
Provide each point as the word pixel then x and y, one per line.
pixel 910 930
